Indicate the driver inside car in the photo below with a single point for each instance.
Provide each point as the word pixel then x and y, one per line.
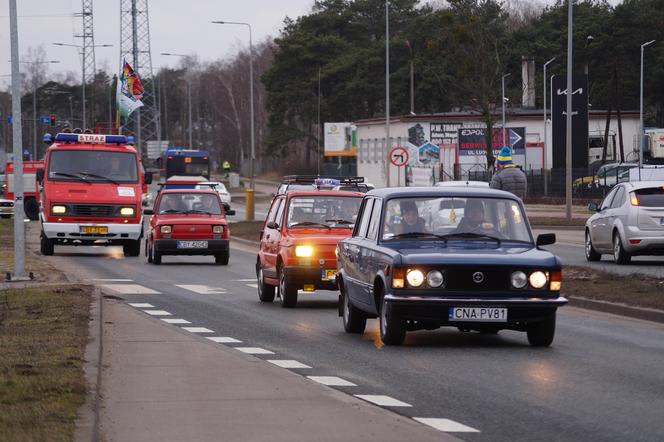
pixel 411 222
pixel 170 204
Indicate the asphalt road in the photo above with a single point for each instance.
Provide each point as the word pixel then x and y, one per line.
pixel 601 380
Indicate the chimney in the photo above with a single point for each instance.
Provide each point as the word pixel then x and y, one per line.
pixel 528 76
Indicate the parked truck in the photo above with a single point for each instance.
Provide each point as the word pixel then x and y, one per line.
pixel 30 187
pixel 653 146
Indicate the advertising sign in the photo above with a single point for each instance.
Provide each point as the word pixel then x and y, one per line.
pixel 472 142
pixel 339 140
pixel 579 121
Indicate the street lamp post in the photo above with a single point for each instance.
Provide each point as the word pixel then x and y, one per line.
pixel 546 153
pixel 34 107
pixel 503 100
pixel 251 95
pixel 388 144
pixel 80 48
pixel 191 144
pixel 568 147
pixel 641 129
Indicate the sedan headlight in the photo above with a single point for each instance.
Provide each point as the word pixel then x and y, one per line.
pixel 166 229
pixel 435 278
pixel 415 278
pixel 519 279
pixel 537 279
pixel 217 229
pixel 58 209
pixel 127 211
pixel 304 251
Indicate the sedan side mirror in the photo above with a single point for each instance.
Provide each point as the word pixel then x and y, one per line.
pixel 272 225
pixel 40 176
pixel 593 207
pixel 545 239
pixel 230 212
pixel 148 178
pixel 148 212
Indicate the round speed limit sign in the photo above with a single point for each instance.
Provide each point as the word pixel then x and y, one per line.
pixel 399 156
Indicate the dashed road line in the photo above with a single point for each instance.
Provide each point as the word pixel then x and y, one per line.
pixel 111 280
pixel 254 286
pixel 245 280
pixel 157 312
pixel 175 321
pixel 254 350
pixel 141 305
pixel 382 400
pixel 332 381
pixel 129 289
pixel 202 289
pixel 197 330
pixel 224 339
pixel 446 425
pixel 287 363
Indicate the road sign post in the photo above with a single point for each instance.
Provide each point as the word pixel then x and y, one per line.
pixel 399 157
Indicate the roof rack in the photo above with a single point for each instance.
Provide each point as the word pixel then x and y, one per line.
pixel 313 179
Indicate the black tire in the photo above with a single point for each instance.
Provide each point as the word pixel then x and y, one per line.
pixel 355 321
pixel 591 253
pixel 148 252
pixel 620 256
pixel 6 216
pixel 31 209
pixel 132 248
pixel 540 334
pixel 46 246
pixel 287 291
pixel 156 257
pixel 265 291
pixel 392 327
pixel 222 258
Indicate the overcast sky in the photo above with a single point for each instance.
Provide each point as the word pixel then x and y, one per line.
pixel 175 26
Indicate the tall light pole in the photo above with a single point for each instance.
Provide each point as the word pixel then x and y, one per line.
pixel 546 153
pixel 641 129
pixel 34 107
pixel 412 78
pixel 568 147
pixel 251 94
pixel 191 144
pixel 388 144
pixel 318 134
pixel 80 50
pixel 503 100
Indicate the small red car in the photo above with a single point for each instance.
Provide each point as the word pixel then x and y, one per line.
pixel 187 222
pixel 299 240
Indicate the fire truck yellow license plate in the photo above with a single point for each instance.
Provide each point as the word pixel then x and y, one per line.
pixel 94 229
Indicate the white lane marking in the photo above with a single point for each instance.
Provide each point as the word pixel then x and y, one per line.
pixel 141 305
pixel 129 289
pixel 382 400
pixel 245 280
pixel 287 363
pixel 255 286
pixel 157 312
pixel 254 350
pixel 176 321
pixel 224 339
pixel 112 280
pixel 197 329
pixel 446 425
pixel 332 381
pixel 202 289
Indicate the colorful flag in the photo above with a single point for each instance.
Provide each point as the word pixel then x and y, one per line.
pixel 129 91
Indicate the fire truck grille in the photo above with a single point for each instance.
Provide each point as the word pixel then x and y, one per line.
pixel 92 210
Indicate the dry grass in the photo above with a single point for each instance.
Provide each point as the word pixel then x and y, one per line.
pixel 247 230
pixel 555 222
pixel 43 334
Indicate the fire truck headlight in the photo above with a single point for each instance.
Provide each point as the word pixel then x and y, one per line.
pixel 58 209
pixel 127 211
pixel 166 229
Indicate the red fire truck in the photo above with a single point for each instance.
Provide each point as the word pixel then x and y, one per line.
pixel 92 189
pixel 30 189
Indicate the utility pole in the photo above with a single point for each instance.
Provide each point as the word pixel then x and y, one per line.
pixel 134 27
pixel 503 100
pixel 388 144
pixel 641 128
pixel 546 153
pixel 318 126
pixel 568 147
pixel 19 226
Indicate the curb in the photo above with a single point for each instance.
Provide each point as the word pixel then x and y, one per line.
pixel 646 314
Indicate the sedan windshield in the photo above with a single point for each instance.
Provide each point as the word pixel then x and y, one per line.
pixel 323 211
pixel 93 166
pixel 454 218
pixel 188 203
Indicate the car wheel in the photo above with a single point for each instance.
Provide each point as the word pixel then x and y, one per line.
pixel 46 246
pixel 156 257
pixel 355 321
pixel 132 248
pixel 392 327
pixel 148 251
pixel 265 291
pixel 591 253
pixel 222 258
pixel 620 256
pixel 540 334
pixel 31 209
pixel 287 291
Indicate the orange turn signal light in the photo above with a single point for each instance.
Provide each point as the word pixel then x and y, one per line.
pixel 398 278
pixel 556 280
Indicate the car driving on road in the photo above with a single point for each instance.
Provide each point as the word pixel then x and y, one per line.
pixel 479 270
pixel 298 242
pixel 628 222
pixel 187 222
pixel 220 188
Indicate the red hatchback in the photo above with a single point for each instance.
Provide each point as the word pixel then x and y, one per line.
pixel 299 240
pixel 187 222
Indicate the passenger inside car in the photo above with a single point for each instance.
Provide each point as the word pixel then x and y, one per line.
pixel 473 220
pixel 171 204
pixel 209 204
pixel 348 210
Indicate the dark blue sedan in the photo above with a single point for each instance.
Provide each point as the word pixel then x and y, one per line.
pixel 423 258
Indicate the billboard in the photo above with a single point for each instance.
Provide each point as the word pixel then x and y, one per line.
pixel 579 121
pixel 339 140
pixel 472 142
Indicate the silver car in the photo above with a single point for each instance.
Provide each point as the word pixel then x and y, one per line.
pixel 629 222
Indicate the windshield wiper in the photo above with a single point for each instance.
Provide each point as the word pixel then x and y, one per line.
pixel 170 211
pixel 99 176
pixel 471 235
pixel 70 175
pixel 198 211
pixel 419 235
pixel 310 223
pixel 339 221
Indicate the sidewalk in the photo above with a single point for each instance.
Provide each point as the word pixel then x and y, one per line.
pixel 161 384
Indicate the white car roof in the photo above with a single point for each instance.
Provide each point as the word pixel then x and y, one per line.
pixel 462 184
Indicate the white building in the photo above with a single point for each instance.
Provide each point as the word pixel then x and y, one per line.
pixel 421 134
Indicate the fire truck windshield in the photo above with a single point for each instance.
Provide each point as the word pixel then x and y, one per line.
pixel 93 166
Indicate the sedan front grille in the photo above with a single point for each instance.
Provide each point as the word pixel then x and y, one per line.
pixel 478 278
